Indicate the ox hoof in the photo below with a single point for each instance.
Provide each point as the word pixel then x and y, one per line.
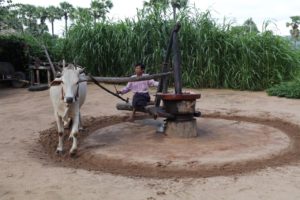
pixel 73 152
pixel 59 151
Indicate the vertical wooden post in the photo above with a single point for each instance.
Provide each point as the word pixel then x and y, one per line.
pixel 177 62
pixel 38 76
pixel 48 76
pixel 32 79
pixel 163 83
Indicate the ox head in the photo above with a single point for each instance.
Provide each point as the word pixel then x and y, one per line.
pixel 69 80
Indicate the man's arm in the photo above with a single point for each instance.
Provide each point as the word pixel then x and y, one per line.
pixel 153 83
pixel 126 89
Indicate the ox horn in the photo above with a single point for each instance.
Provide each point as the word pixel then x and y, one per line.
pixel 58 74
pixel 56 81
pixel 64 63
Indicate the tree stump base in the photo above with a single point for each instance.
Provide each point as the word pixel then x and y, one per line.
pixel 182 129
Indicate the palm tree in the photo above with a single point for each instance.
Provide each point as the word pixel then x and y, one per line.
pixel 11 19
pixel 83 16
pixel 163 5
pixel 67 10
pixel 42 14
pixel 100 8
pixel 28 16
pixel 53 14
pixel 8 16
pixel 156 7
pixel 179 3
pixel 22 15
pixel 3 9
pixel 295 27
pixel 157 4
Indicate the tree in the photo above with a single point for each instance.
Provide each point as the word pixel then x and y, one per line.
pixel 28 15
pixel 42 14
pixel 162 5
pixel 157 3
pixel 83 16
pixel 11 19
pixel 250 26
pixel 67 10
pixel 295 27
pixel 2 2
pixel 156 6
pixel 22 15
pixel 179 3
pixel 100 8
pixel 4 11
pixel 54 13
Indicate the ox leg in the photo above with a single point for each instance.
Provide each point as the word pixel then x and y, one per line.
pixel 80 123
pixel 74 134
pixel 68 123
pixel 60 128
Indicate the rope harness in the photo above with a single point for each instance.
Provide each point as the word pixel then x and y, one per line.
pixel 63 93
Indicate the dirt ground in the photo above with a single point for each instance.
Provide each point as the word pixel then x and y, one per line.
pixel 23 175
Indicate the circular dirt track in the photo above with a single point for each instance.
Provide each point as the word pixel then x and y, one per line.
pixel 225 145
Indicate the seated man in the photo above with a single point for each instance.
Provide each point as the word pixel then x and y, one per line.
pixel 140 89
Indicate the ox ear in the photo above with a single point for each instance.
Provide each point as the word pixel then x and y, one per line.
pixel 81 70
pixel 82 80
pixel 55 82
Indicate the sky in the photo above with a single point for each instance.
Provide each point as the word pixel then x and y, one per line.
pixel 237 11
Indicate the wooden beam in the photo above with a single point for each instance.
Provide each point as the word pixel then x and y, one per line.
pixel 150 109
pixel 49 60
pixel 127 79
pixel 128 106
pixel 107 90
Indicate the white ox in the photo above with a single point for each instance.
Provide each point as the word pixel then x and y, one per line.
pixel 67 95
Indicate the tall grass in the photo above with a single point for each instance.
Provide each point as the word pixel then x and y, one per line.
pixel 212 56
pixel 289 89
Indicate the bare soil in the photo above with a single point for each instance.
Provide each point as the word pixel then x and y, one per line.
pixel 141 152
pixel 24 175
